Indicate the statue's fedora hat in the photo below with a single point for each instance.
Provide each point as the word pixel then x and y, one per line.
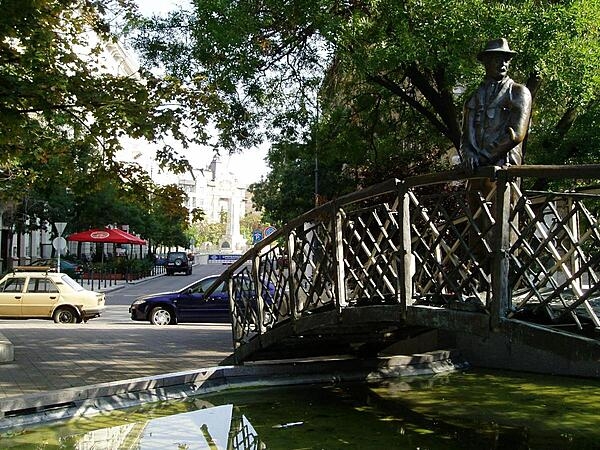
pixel 496 46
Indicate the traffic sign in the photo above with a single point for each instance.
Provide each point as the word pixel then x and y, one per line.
pixel 223 259
pixel 60 227
pixel 59 243
pixel 257 236
pixel 269 231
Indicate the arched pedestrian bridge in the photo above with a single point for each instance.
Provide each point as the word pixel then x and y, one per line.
pixel 510 276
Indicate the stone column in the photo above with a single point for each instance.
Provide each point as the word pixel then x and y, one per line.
pixel 232 232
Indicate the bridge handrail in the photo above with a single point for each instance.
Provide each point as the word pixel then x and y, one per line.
pixel 392 185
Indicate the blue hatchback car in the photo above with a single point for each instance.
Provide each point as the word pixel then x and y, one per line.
pixel 188 304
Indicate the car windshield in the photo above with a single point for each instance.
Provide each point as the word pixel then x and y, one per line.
pixel 66 279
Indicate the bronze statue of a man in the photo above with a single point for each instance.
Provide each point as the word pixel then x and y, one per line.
pixel 496 117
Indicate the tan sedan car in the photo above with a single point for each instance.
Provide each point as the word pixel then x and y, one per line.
pixel 44 294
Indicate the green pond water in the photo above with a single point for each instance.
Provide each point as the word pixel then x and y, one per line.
pixel 469 410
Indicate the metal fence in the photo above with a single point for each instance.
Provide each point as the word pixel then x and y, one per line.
pixel 101 276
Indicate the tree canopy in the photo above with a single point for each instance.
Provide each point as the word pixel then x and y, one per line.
pixel 348 93
pixel 385 80
pixel 64 111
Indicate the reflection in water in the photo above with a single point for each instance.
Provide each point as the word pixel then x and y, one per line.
pixel 245 437
pixel 213 428
pixel 471 410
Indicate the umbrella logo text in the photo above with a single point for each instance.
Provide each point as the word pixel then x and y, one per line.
pixel 99 235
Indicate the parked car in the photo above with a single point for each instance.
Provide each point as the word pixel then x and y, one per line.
pixel 74 270
pixel 188 304
pixel 42 293
pixel 178 262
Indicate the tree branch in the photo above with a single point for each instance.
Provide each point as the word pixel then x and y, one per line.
pixel 393 87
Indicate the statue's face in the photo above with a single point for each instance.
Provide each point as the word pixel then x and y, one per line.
pixel 496 65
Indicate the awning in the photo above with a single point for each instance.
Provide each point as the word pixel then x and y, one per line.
pixel 107 235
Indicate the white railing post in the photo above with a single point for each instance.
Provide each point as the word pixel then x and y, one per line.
pixel 291 246
pixel 340 273
pixel 501 297
pixel 574 243
pixel 260 303
pixel 236 327
pixel 405 270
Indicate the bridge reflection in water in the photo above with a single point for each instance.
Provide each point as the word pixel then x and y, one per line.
pixel 508 276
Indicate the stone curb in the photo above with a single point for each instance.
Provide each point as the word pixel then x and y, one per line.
pixel 32 409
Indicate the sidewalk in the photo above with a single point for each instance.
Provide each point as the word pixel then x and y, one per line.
pixel 7 352
pixel 41 355
pixel 49 356
pixel 7 347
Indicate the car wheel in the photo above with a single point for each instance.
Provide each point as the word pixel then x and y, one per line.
pixel 161 316
pixel 178 262
pixel 65 314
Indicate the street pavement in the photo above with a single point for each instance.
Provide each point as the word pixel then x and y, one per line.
pixel 50 356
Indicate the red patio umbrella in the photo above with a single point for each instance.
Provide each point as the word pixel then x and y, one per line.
pixel 106 235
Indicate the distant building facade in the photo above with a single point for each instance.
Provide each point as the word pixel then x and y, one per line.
pixel 215 190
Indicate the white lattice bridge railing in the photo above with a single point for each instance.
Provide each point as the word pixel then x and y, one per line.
pixel 438 240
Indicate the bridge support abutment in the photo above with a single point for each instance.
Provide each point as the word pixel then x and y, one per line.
pixel 520 346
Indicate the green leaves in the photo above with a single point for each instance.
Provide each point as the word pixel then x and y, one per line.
pixel 374 88
pixel 68 96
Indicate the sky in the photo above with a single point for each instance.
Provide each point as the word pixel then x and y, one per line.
pixel 149 7
pixel 248 166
